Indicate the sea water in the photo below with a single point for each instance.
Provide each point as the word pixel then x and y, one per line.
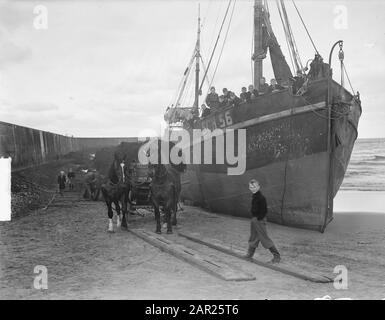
pixel 366 169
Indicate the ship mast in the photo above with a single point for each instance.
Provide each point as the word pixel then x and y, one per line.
pixel 197 57
pixel 258 42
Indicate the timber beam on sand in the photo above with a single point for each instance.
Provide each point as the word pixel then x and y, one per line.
pixel 239 253
pixel 208 264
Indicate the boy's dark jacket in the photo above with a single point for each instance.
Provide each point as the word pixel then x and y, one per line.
pixel 258 206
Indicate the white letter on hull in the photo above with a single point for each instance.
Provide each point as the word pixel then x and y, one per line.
pixel 148 153
pixel 240 159
pixel 182 145
pixel 197 146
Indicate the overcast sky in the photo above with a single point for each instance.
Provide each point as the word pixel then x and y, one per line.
pixel 110 68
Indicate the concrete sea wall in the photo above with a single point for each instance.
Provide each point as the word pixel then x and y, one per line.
pixel 30 147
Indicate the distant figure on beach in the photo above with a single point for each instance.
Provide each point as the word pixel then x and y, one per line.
pixel 258 231
pixel 61 180
pixel 71 177
pixel 91 184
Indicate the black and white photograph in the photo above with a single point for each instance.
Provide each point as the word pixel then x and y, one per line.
pixel 192 150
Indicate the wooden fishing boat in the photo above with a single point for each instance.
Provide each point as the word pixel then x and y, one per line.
pixel 298 141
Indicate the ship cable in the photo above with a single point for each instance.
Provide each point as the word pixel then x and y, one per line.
pixel 341 114
pixel 223 44
pixel 216 24
pixel 287 42
pixel 251 53
pixel 204 69
pixel 216 43
pixel 346 73
pixel 288 39
pixel 304 25
pixel 292 38
pixel 182 84
pixel 187 90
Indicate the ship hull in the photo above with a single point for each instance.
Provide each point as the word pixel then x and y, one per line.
pixel 287 151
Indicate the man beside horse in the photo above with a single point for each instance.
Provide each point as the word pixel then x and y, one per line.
pixel 91 185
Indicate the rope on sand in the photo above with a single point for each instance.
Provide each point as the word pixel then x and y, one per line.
pixel 49 203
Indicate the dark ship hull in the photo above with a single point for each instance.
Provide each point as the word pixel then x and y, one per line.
pixel 287 152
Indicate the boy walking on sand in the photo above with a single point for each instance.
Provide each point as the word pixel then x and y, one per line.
pixel 258 231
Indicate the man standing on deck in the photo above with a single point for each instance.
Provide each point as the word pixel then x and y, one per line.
pixel 212 99
pixel 258 231
pixel 263 86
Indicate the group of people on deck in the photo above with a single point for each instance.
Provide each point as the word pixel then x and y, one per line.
pixel 228 98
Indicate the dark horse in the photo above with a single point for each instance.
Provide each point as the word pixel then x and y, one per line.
pixel 165 190
pixel 116 190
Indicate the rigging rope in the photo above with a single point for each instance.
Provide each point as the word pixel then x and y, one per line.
pixel 303 23
pixel 204 69
pixel 216 24
pixel 223 44
pixel 252 49
pixel 182 86
pixel 295 48
pixel 186 91
pixel 286 37
pixel 216 43
pixel 289 35
pixel 346 73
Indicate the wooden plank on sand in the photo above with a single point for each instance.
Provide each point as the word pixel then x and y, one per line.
pixel 239 253
pixel 208 264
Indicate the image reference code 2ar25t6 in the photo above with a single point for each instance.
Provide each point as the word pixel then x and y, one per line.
pixel 213 309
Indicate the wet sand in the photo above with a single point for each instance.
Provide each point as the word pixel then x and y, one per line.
pixel 359 201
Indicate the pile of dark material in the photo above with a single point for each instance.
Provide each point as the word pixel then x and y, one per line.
pixel 34 187
pixel 27 195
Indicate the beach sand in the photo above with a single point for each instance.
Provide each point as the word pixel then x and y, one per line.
pixel 359 201
pixel 84 261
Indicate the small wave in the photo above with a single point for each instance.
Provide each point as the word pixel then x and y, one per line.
pixel 368 165
pixel 379 157
pixel 359 188
pixel 359 173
